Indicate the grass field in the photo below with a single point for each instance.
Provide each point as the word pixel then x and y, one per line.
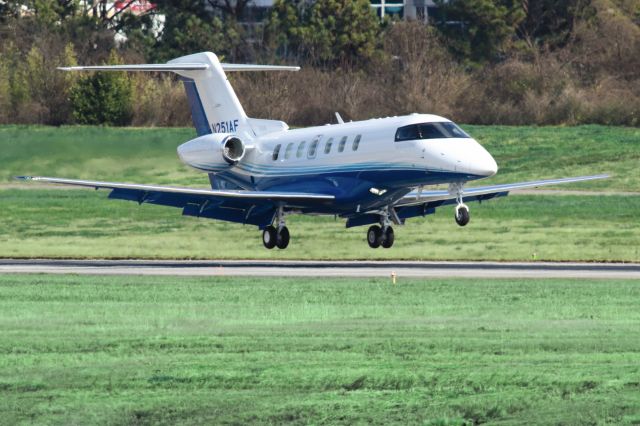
pixel 142 350
pixel 83 223
pixel 149 155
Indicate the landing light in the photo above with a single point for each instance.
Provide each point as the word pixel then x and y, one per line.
pixel 376 191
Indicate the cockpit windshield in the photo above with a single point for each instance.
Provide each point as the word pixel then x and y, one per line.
pixel 440 130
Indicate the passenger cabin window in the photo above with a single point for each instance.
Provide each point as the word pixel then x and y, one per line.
pixel 356 142
pixel 300 149
pixel 327 146
pixel 444 130
pixel 313 148
pixel 288 151
pixel 343 142
pixel 276 152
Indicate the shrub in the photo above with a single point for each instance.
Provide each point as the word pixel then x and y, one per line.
pixel 5 95
pixel 159 101
pixel 103 98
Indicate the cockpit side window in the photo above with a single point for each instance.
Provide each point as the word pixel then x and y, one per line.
pixel 431 131
pixel 440 130
pixel 276 152
pixel 408 133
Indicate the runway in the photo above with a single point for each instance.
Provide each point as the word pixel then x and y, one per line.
pixel 288 268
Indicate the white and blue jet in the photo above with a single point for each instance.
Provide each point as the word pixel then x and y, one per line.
pixel 371 172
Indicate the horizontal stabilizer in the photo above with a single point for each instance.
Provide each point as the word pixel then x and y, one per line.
pixel 177 66
pixel 250 67
pixel 140 67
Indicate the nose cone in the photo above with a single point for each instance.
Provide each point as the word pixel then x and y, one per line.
pixel 487 166
pixel 482 163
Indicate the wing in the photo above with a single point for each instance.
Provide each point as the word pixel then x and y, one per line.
pixel 422 203
pixel 486 192
pixel 251 207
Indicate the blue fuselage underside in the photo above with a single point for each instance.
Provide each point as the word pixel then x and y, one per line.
pixel 351 188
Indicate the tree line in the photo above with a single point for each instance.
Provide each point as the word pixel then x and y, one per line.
pixel 477 61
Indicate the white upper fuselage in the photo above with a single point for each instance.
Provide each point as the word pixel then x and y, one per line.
pixel 370 157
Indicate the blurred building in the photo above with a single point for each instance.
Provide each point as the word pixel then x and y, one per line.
pixel 421 10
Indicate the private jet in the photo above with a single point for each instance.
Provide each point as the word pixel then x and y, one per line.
pixel 374 172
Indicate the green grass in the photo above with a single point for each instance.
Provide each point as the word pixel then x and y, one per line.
pixel 142 350
pixel 141 155
pixel 149 155
pixel 530 153
pixel 84 223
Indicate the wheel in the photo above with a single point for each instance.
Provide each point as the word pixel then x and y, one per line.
pixel 462 215
pixel 282 239
pixel 389 237
pixel 269 237
pixel 374 236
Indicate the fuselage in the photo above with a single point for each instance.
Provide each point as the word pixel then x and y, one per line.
pixel 364 164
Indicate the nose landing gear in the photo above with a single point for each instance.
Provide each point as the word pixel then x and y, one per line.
pixel 462 210
pixel 462 214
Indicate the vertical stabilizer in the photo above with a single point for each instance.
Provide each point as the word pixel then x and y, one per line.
pixel 211 95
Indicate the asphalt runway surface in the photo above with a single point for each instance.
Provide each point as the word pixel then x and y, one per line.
pixel 292 268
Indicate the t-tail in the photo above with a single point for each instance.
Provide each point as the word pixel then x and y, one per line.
pixel 215 108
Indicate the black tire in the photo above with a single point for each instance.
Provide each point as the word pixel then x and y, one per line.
pixel 374 236
pixel 389 237
pixel 282 240
pixel 462 216
pixel 269 237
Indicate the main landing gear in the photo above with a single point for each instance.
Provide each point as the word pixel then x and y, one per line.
pixel 383 234
pixel 380 236
pixel 276 237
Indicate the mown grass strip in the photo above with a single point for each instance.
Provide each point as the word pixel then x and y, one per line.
pixel 131 350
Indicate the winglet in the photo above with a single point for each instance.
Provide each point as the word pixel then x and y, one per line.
pixel 339 118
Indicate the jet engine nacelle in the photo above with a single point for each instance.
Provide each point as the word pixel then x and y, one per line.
pixel 214 152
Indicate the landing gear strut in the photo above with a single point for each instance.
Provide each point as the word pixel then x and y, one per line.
pixel 462 210
pixel 276 237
